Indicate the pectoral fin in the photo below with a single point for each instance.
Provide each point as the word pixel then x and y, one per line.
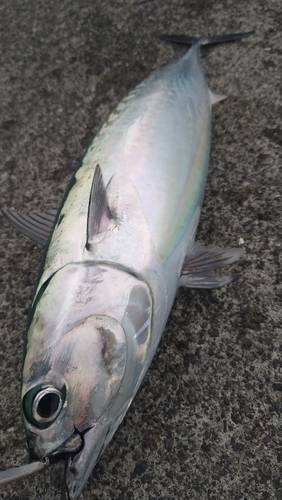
pixel 200 262
pixel 37 227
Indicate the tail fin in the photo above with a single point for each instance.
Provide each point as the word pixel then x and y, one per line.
pixel 205 40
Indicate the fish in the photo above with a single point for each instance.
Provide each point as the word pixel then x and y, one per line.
pixel 117 250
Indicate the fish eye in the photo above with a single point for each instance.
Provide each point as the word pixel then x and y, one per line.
pixel 43 404
pixel 47 405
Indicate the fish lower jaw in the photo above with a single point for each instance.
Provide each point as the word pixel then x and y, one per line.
pixel 73 444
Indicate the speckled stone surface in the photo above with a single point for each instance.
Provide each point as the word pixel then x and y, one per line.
pixel 206 423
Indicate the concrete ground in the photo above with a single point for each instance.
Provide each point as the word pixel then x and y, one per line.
pixel 206 423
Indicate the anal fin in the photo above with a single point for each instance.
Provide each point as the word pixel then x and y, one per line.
pixel 37 227
pixel 200 262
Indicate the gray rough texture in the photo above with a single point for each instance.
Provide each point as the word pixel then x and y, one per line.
pixel 206 423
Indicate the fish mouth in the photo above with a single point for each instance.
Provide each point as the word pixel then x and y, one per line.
pixel 80 465
pixel 81 450
pixel 72 445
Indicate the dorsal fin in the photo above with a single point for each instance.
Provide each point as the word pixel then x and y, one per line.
pixel 99 217
pixel 215 97
pixel 38 227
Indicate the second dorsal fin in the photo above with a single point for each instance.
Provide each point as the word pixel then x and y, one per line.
pixel 99 217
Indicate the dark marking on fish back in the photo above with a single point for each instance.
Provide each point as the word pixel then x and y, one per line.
pixel 60 219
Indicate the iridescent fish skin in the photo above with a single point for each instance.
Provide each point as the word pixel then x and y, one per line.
pixel 154 150
pixel 122 244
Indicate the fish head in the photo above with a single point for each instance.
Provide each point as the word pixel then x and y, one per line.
pixel 76 385
pixel 81 368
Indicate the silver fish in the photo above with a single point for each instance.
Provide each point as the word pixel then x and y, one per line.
pixel 118 249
